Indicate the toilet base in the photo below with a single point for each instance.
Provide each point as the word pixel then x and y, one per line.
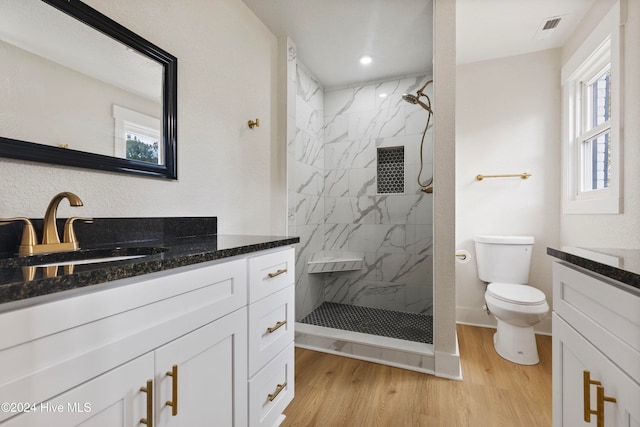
pixel 516 344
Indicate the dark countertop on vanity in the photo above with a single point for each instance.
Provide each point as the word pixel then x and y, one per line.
pixel 622 265
pixel 177 252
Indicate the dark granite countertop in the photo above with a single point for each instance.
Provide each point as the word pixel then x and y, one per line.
pixel 163 249
pixel 622 265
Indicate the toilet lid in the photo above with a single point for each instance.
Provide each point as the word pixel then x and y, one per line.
pixel 516 294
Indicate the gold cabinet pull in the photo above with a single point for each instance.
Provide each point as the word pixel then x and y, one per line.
pixel 278 390
pixel 277 273
pixel 587 382
pixel 149 390
pixel 277 326
pixel 173 373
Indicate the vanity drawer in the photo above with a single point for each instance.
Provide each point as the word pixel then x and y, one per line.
pixel 271 323
pixel 271 390
pixel 270 273
pixel 605 314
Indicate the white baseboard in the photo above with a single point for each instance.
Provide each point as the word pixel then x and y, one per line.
pixel 479 317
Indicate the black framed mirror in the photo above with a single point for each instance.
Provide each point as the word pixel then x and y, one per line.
pixel 84 91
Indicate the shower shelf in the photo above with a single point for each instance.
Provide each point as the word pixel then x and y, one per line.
pixel 331 261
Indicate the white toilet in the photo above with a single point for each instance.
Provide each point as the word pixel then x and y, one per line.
pixel 503 262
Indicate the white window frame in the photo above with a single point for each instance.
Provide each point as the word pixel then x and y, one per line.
pixel 601 48
pixel 126 120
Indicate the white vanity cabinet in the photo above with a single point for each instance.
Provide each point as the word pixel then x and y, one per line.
pixel 181 335
pixel 596 350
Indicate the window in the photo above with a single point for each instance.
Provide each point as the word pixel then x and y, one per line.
pixel 591 120
pixel 137 136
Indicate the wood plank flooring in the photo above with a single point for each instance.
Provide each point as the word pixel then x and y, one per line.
pixel 337 391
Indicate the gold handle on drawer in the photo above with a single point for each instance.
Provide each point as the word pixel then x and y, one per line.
pixel 149 390
pixel 173 373
pixel 278 390
pixel 277 273
pixel 277 326
pixel 587 382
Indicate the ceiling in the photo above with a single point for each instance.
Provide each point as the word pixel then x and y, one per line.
pixel 332 35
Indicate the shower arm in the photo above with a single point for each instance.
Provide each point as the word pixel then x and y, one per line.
pixel 419 92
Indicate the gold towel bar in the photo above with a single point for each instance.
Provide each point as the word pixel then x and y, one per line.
pixel 524 175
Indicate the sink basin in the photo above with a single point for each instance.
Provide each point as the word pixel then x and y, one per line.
pixel 81 257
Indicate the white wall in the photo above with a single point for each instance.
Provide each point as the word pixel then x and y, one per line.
pixel 623 230
pixel 227 74
pixel 507 121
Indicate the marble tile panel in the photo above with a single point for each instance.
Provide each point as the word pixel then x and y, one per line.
pixel 400 268
pixel 395 141
pixel 307 118
pixel 326 343
pixel 309 209
pixel 383 237
pixel 336 236
pixel 419 298
pixel 416 120
pixel 389 296
pixel 336 288
pixel 309 295
pixel 396 209
pixel 338 210
pixel 336 182
pixel 366 209
pixel 336 129
pixel 422 211
pixel 411 177
pixel 419 239
pixel 309 149
pixel 307 87
pixel 376 124
pixel 362 182
pixel 349 154
pixel 393 91
pixel 308 180
pixel 350 100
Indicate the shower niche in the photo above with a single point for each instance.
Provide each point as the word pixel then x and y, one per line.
pixel 390 170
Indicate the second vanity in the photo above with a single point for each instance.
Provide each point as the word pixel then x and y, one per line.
pixel 199 332
pixel 596 337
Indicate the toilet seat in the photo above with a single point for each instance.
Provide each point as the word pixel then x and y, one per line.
pixel 516 294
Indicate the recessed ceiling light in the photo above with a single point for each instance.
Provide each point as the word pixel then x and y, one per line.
pixel 365 60
pixel 383 95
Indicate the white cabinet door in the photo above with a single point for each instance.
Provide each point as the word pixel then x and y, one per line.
pixel 573 356
pixel 211 376
pixel 113 399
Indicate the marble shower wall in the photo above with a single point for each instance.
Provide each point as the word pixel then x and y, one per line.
pixel 306 184
pixel 393 232
pixel 333 200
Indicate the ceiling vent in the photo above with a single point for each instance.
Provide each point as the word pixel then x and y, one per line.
pixel 547 27
pixel 551 24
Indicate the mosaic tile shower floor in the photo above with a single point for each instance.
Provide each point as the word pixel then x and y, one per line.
pixel 386 323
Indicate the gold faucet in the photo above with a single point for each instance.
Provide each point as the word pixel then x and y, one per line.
pixel 50 238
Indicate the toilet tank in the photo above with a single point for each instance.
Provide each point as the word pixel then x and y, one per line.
pixel 504 259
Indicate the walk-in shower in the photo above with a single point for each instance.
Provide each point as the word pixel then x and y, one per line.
pixel 364 285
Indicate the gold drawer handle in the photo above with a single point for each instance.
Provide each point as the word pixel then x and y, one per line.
pixel 277 326
pixel 278 390
pixel 587 382
pixel 173 373
pixel 277 273
pixel 149 390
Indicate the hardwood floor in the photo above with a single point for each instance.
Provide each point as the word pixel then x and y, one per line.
pixel 337 391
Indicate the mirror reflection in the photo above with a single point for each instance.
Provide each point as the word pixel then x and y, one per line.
pixel 67 85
